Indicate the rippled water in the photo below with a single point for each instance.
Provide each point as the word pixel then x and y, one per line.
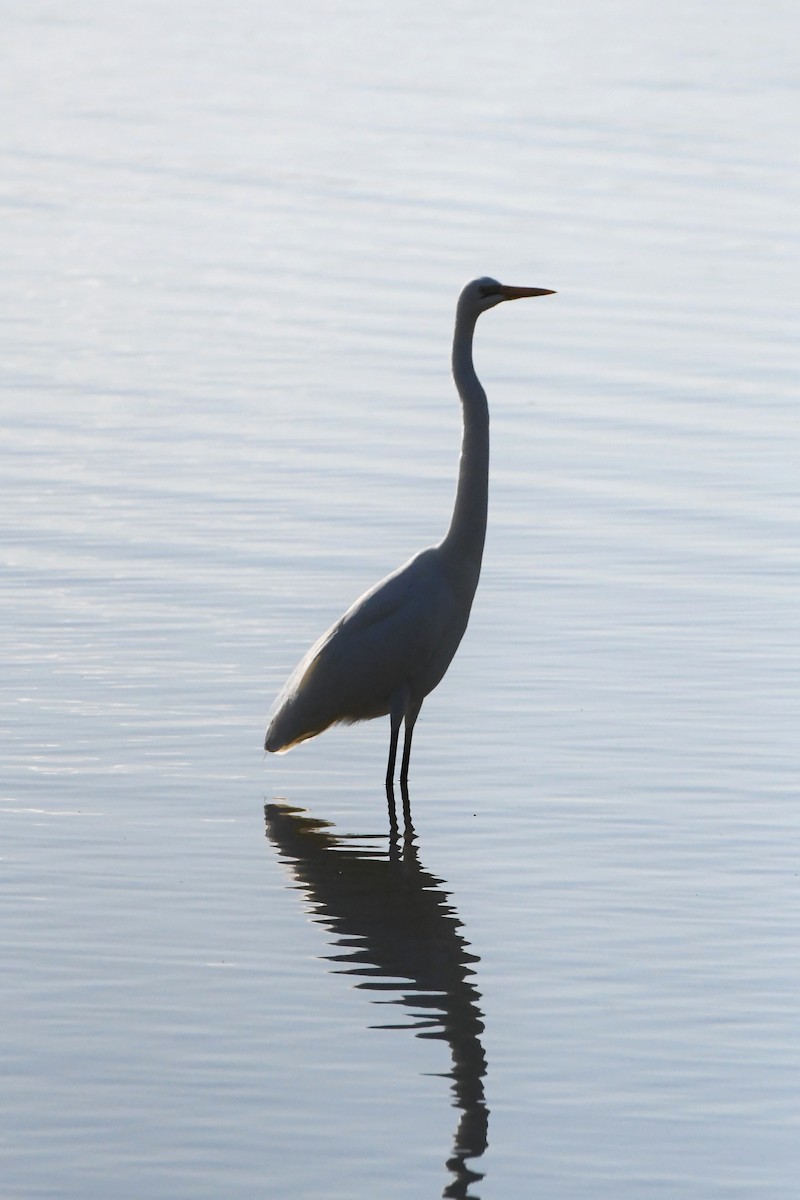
pixel 232 244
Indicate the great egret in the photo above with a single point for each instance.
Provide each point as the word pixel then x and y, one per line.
pixel 394 645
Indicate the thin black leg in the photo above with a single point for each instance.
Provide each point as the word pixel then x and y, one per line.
pixel 410 721
pixel 396 716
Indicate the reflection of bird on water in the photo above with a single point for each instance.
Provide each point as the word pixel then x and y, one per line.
pixel 392 921
pixel 394 645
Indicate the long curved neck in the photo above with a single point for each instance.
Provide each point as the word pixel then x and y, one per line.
pixel 467 530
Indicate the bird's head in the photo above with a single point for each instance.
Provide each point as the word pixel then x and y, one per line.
pixel 481 294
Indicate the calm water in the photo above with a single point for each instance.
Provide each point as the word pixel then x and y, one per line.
pixel 232 243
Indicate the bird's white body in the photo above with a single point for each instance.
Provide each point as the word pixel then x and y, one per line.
pixel 401 634
pixel 394 645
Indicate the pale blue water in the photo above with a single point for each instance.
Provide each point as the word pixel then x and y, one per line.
pixel 233 240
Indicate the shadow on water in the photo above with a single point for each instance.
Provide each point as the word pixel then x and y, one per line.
pixel 398 934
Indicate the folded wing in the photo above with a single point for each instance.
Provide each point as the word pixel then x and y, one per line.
pixel 382 643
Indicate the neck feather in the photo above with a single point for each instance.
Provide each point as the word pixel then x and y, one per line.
pixel 468 527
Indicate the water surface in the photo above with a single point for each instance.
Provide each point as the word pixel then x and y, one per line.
pixel 233 242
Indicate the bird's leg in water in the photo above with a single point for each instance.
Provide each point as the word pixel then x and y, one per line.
pixel 406 755
pixel 409 828
pixel 411 719
pixel 396 719
pixel 393 826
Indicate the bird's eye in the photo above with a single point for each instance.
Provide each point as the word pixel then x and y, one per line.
pixel 489 289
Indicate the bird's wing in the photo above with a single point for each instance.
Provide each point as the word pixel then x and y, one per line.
pixel 418 589
pixel 393 630
pixel 381 642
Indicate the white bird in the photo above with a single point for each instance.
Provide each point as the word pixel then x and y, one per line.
pixel 394 645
